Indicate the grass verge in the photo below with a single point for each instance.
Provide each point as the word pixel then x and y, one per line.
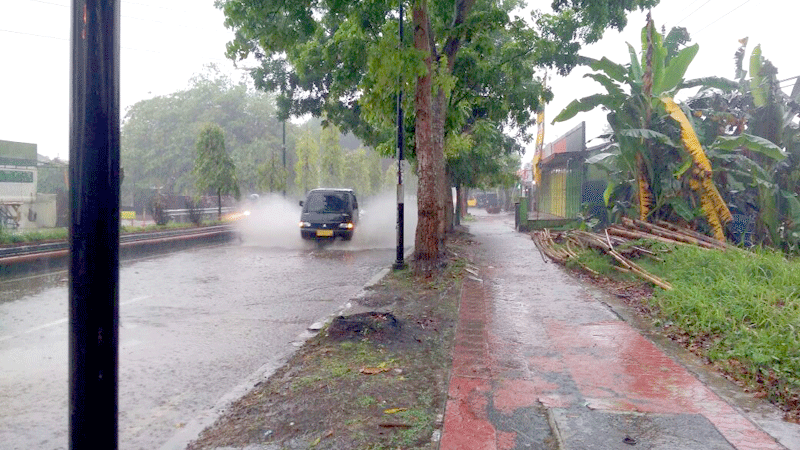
pixel 373 391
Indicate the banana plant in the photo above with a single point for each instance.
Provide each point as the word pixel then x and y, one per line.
pixel 643 118
pixel 754 139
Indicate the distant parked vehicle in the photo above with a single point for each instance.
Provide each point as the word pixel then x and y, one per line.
pixel 492 203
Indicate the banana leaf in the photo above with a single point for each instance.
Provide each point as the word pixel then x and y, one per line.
pixel 646 133
pixel 616 71
pixel 757 81
pixel 610 187
pixel 585 104
pixel 744 169
pixel 676 68
pixel 612 87
pixel 753 143
pixel 720 83
pixel 687 164
pixel 636 68
pixel 682 208
pixel 793 204
pixel 599 157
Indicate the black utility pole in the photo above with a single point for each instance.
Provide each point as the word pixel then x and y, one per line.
pixel 94 226
pixel 399 263
pixel 285 173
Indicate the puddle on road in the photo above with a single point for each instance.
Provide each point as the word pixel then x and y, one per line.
pixel 15 288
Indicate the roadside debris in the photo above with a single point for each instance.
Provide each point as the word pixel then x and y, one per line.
pixel 617 242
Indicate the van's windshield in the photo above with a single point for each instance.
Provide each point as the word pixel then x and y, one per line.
pixel 328 202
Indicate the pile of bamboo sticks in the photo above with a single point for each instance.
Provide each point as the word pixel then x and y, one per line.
pixel 664 232
pixel 611 243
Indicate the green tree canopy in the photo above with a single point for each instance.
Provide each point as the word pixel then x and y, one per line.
pixel 159 134
pixel 214 169
pixel 341 60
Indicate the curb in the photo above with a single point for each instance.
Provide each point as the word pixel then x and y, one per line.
pixel 314 328
pixel 385 271
pixel 206 418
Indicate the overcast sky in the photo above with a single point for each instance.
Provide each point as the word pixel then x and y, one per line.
pixel 165 42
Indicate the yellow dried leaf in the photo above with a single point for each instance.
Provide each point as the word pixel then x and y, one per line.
pixel 394 410
pixel 645 194
pixel 688 136
pixel 373 370
pixel 711 202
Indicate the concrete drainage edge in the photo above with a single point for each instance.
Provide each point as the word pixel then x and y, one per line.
pixel 191 431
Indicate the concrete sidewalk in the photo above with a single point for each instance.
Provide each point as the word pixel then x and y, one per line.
pixel 540 361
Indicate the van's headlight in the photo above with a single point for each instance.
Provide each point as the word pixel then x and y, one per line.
pixel 347 226
pixel 305 224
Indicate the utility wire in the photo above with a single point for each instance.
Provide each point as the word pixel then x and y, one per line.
pixel 689 15
pixel 33 34
pixel 722 16
pixel 49 3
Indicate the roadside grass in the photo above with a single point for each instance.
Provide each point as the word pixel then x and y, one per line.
pixel 739 309
pixel 55 234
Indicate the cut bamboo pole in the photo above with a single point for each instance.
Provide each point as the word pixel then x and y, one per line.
pixel 631 234
pixel 664 232
pixel 684 230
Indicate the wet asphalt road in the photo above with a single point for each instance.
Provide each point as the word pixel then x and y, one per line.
pixel 194 325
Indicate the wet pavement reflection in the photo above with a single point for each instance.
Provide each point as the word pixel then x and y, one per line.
pixel 194 325
pixel 532 339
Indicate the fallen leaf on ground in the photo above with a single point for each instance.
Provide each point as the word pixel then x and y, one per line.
pixel 394 410
pixel 394 425
pixel 373 370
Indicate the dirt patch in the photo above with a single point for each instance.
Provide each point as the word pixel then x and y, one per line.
pixel 379 327
pixel 374 381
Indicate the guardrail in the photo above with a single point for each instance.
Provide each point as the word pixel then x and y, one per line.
pixel 54 250
pixel 182 215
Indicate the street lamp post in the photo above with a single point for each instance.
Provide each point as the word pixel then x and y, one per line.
pixel 399 262
pixel 285 173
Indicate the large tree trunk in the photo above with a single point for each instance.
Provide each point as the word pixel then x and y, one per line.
pixel 426 243
pixel 429 132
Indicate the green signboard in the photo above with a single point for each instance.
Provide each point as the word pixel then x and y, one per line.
pixel 16 176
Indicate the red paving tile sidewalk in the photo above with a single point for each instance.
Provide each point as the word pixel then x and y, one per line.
pixel 535 350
